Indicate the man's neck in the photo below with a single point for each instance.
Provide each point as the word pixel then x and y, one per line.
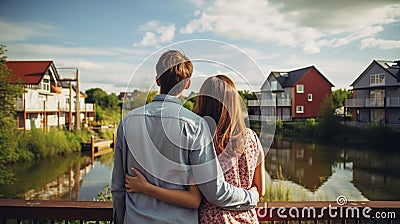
pixel 177 96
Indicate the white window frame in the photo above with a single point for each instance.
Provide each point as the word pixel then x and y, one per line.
pixel 299 109
pixel 299 88
pixel 377 79
pixel 309 97
pixel 274 85
pixel 46 84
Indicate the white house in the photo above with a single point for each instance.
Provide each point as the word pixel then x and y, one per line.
pixel 46 100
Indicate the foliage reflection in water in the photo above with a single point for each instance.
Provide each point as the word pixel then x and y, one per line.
pixel 296 172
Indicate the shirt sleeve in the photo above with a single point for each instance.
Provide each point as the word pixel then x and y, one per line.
pixel 209 176
pixel 118 190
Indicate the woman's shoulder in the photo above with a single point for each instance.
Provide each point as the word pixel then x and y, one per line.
pixel 250 134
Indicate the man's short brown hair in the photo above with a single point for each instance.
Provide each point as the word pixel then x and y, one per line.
pixel 174 70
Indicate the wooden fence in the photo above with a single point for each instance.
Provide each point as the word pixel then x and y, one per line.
pixel 84 211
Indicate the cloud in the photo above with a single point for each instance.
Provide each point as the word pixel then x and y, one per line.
pixel 198 3
pixel 24 31
pixel 253 20
pixel 310 24
pixel 47 50
pixel 312 46
pixel 379 43
pixel 156 34
pixel 340 15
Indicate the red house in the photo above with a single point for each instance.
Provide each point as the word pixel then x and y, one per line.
pixel 296 94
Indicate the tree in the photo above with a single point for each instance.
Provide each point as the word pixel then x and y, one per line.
pixel 110 101
pixel 151 95
pixel 328 123
pixel 188 105
pixel 339 96
pixel 8 94
pixel 96 95
pixel 246 95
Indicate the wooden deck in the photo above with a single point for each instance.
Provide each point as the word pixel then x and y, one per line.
pixel 99 147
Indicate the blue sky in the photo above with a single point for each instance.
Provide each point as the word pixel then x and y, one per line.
pixel 108 41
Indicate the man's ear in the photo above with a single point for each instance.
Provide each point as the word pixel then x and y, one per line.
pixel 188 83
pixel 158 82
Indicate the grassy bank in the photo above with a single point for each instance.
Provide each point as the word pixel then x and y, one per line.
pixel 36 144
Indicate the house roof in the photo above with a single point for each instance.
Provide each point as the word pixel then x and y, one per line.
pixel 392 67
pixel 289 79
pixel 28 72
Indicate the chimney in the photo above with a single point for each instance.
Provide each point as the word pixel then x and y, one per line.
pixel 398 71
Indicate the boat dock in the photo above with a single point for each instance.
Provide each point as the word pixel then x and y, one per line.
pixel 99 147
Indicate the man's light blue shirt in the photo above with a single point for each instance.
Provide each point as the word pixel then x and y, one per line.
pixel 169 144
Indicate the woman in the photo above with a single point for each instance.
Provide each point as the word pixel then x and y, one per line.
pixel 239 153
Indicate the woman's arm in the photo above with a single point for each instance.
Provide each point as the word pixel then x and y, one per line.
pixel 188 199
pixel 259 175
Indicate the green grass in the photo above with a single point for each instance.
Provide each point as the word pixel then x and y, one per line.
pixel 36 144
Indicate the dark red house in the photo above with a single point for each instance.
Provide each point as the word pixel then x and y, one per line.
pixel 295 94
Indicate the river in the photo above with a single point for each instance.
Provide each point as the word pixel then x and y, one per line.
pixel 310 171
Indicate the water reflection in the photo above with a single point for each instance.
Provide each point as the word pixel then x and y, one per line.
pixel 62 178
pixel 310 171
pixel 321 172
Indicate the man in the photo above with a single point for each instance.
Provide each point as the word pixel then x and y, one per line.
pixel 169 145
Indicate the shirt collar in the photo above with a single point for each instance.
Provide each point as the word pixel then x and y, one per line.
pixel 167 98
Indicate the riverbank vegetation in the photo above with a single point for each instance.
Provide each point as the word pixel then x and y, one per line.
pixel 36 144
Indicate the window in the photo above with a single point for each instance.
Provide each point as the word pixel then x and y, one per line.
pixel 300 88
pixel 46 84
pixel 299 109
pixel 309 97
pixel 377 79
pixel 274 85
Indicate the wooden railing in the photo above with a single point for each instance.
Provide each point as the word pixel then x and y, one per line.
pixel 12 209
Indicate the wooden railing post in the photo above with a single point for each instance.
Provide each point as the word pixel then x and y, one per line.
pixel 114 140
pixel 92 147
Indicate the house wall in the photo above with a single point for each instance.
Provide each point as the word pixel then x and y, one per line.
pixel 393 115
pixel 392 92
pixel 364 79
pixel 266 91
pixel 314 84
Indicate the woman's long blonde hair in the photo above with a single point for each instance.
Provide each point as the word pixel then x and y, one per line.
pixel 219 99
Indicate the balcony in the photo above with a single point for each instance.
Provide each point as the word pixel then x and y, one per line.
pixel 393 102
pixel 365 211
pixel 39 106
pixel 373 102
pixel 270 103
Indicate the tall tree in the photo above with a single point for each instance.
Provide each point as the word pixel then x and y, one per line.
pixel 111 101
pixel 95 95
pixel 328 123
pixel 339 96
pixel 8 94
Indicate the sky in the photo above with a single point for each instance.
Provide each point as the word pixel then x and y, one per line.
pixel 115 44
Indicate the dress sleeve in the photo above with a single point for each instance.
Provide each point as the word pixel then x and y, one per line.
pixel 209 177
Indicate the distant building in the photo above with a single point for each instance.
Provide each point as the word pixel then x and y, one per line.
pixel 132 100
pixel 47 100
pixel 376 94
pixel 296 94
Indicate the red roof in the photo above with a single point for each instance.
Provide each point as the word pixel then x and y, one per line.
pixel 29 72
